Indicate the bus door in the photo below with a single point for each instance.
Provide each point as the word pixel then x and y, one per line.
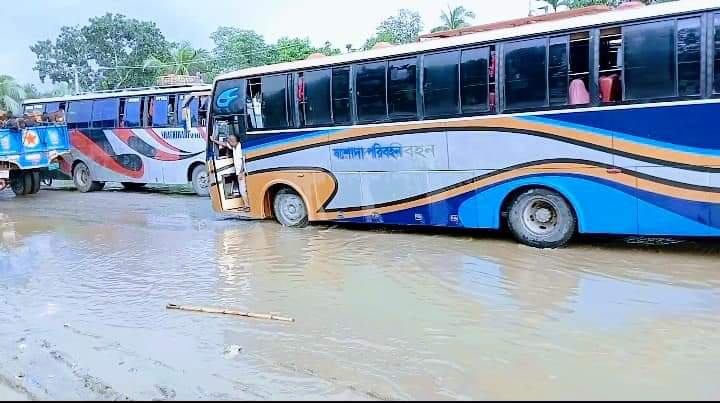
pixel 228 117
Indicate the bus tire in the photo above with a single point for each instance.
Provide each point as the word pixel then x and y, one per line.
pixel 36 182
pixel 83 179
pixel 200 181
pixel 542 218
pixel 131 186
pixel 290 209
pixel 21 183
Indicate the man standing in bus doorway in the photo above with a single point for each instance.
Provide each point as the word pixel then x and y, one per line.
pixel 233 143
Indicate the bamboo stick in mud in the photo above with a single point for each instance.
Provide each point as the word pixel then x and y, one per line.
pixel 229 312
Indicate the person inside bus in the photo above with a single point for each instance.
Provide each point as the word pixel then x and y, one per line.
pixel 239 186
pixel 13 123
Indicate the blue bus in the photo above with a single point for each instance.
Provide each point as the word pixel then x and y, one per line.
pixel 603 122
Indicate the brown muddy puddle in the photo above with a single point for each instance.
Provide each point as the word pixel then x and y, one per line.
pixel 380 314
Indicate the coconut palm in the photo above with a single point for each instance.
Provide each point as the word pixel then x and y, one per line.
pixel 183 60
pixel 454 18
pixel 11 93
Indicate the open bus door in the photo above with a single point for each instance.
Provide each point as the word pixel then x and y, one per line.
pixel 227 116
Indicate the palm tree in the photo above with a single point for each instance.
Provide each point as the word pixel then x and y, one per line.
pixel 454 18
pixel 11 93
pixel 183 60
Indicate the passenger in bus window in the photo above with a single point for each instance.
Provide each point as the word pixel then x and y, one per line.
pixel 233 144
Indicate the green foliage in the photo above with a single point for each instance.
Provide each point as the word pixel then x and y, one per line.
pixel 404 27
pixel 455 18
pixel 11 94
pixel 237 49
pixel 182 59
pixel 112 41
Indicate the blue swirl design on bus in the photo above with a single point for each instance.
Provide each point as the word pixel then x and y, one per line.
pixel 227 97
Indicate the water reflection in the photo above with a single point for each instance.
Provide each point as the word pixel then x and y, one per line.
pixel 379 314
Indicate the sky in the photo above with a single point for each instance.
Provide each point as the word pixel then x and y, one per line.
pixel 25 22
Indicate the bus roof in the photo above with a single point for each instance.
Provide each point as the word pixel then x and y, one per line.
pixel 130 92
pixel 614 16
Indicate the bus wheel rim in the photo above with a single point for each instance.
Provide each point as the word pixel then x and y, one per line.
pixel 541 216
pixel 292 209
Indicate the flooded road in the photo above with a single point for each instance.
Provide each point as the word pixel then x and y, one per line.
pixel 84 280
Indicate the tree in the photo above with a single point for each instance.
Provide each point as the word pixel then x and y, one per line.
pixel 611 3
pixel 107 53
pixel 291 49
pixel 236 49
pixel 181 60
pixel 404 27
pixel 11 93
pixel 455 18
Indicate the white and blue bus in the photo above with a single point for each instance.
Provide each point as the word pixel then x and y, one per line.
pixel 134 136
pixel 598 124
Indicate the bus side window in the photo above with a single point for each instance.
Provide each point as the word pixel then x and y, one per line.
pixel 611 65
pixel 132 113
pixel 159 115
pixel 203 110
pixel 579 73
pixel 689 56
pixel 526 74
pixel 172 107
pixel 105 113
pixel 79 114
pixel 254 104
pixel 649 66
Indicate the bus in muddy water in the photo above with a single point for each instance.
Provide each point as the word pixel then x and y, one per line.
pixel 134 137
pixel 593 121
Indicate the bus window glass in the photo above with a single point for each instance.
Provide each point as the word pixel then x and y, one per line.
pixel 194 107
pixel 52 107
pixel 558 71
pixel 579 73
pixel 688 56
pixel 716 52
pixel 316 101
pixel 402 89
pixel 79 114
pixel 132 113
pixel 34 109
pixel 371 92
pixel 649 57
pixel 341 96
pixel 160 108
pixel 526 74
pixel 105 113
pixel 440 84
pixel 275 102
pixel 474 80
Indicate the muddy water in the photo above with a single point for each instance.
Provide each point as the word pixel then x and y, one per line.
pixel 380 314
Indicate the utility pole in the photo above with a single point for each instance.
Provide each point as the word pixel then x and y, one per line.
pixel 77 79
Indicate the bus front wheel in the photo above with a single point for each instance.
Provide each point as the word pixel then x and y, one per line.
pixel 541 218
pixel 290 209
pixel 200 181
pixel 83 180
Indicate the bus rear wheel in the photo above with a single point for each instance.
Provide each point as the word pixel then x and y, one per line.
pixel 290 209
pixel 133 186
pixel 542 218
pixel 83 180
pixel 21 183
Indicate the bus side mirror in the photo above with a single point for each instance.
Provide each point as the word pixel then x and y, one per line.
pixel 187 119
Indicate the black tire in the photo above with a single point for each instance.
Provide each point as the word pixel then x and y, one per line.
pixel 133 186
pixel 200 181
pixel 36 182
pixel 83 179
pixel 542 218
pixel 290 209
pixel 21 182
